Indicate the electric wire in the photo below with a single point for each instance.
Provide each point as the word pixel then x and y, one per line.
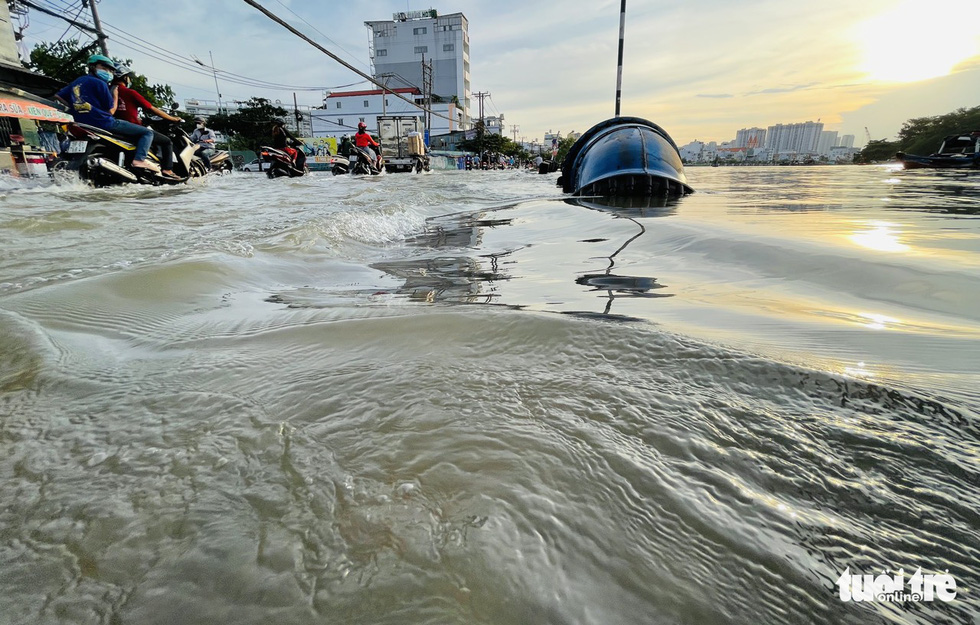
pixel 81 7
pixel 316 29
pixel 136 44
pixel 296 32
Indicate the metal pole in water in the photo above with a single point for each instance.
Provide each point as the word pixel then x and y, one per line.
pixel 619 70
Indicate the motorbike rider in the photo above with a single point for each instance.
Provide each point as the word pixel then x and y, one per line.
pixel 128 103
pixel 281 140
pixel 346 147
pixel 205 139
pixel 90 101
pixel 363 140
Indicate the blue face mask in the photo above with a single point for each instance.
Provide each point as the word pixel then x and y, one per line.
pixel 104 74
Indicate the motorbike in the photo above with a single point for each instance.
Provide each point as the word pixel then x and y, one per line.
pixel 186 161
pixel 281 163
pixel 104 159
pixel 362 164
pixel 220 160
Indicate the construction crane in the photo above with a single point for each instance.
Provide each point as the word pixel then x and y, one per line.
pixel 867 134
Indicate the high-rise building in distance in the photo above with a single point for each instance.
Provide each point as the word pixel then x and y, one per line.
pixel 800 138
pixel 750 138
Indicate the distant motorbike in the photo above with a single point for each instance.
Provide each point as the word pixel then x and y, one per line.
pixel 104 159
pixel 186 161
pixel 281 163
pixel 220 160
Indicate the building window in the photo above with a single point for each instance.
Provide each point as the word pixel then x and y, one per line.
pixel 421 49
pixel 420 31
pixel 380 53
pixel 340 121
pixel 361 118
pixel 448 47
pixel 339 104
pixel 366 104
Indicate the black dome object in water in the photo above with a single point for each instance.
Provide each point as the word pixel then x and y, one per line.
pixel 624 156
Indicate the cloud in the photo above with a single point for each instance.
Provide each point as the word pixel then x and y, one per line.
pixel 700 69
pixel 783 89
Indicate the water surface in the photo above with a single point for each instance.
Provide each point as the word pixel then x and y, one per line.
pixel 460 398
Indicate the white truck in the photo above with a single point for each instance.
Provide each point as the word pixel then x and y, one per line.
pixel 402 144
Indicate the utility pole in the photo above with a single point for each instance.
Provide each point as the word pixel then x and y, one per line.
pixel 98 26
pixel 384 93
pixel 296 115
pixel 481 123
pixel 619 69
pixel 513 129
pixel 427 90
pixel 215 72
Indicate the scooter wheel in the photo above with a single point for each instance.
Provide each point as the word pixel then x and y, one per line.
pixel 198 170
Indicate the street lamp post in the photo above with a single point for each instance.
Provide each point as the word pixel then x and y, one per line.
pixel 215 73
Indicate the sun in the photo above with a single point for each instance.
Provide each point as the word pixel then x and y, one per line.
pixel 918 40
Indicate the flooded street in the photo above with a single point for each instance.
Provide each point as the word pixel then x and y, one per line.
pixel 459 397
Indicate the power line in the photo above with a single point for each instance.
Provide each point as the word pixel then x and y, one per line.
pixel 315 29
pixel 288 27
pixel 81 7
pixel 136 44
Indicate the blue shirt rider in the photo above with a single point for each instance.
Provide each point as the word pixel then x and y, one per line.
pixel 91 102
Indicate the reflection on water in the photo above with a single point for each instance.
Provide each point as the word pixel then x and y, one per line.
pixel 632 209
pixel 880 236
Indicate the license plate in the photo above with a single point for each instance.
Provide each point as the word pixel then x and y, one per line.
pixel 77 147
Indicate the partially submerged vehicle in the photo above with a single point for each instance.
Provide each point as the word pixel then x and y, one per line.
pixel 624 156
pixel 105 159
pixel 959 151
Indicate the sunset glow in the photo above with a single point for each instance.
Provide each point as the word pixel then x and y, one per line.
pixel 913 41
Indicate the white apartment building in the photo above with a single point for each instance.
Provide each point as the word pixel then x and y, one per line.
pixel 750 138
pixel 398 48
pixel 800 138
pixel 828 139
pixel 343 110
pixel 847 141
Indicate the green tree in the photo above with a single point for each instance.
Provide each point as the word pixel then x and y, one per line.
pixel 62 60
pixel 877 150
pixel 564 146
pixel 489 142
pixel 65 61
pixel 250 126
pixel 921 135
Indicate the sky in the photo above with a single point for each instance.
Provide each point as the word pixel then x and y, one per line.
pixel 701 69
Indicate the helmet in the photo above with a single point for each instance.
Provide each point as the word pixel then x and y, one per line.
pixel 103 60
pixel 199 120
pixel 121 72
pixel 361 126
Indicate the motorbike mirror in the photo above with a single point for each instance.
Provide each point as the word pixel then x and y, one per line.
pixel 174 106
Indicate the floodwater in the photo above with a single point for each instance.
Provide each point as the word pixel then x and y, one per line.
pixel 458 398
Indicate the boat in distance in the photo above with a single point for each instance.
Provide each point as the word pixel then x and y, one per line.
pixel 959 151
pixel 624 156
